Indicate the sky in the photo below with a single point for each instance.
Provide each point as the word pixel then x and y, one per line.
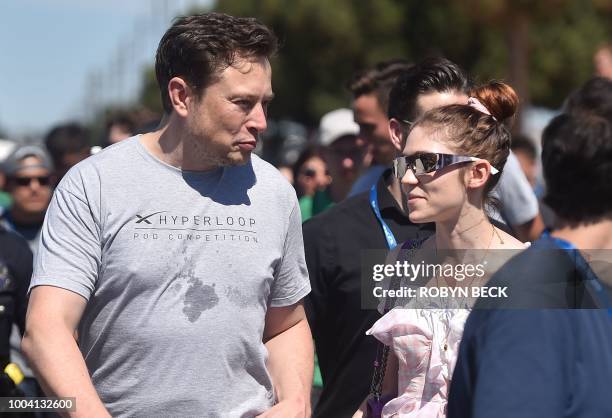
pixel 60 58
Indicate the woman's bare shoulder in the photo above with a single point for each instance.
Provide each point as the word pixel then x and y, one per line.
pixel 505 241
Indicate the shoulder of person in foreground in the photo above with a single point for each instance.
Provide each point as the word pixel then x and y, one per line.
pixel 513 363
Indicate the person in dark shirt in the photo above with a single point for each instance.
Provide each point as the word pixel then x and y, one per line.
pixel 546 351
pixel 15 273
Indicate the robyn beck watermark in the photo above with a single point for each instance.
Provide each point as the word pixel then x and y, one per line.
pixel 463 279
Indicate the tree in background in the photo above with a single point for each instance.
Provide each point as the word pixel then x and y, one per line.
pixel 543 48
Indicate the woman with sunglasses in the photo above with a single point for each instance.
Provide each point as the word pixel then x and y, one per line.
pixel 312 179
pixel 452 158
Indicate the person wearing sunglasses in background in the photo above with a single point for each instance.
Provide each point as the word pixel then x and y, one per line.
pixel 452 158
pixel 311 181
pixel 29 173
pixel 29 180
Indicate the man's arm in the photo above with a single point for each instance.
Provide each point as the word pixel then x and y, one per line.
pixel 290 362
pixel 50 346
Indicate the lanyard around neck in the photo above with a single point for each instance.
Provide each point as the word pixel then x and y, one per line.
pixel 593 282
pixel 391 242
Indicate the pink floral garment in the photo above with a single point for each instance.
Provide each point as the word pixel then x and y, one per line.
pixel 426 342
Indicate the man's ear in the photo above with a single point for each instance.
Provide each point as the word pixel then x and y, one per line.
pixel 180 94
pixel 479 173
pixel 395 131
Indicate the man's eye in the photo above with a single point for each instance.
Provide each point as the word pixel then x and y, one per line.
pixel 245 104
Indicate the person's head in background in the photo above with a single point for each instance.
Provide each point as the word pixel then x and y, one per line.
pixel 527 155
pixel 577 158
pixel 433 83
pixel 338 134
pixel 68 144
pixel 456 156
pixel 370 90
pixel 602 60
pixel 119 126
pixel 593 97
pixel 29 173
pixel 310 172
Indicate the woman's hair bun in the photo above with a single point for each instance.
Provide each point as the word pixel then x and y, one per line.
pixel 499 98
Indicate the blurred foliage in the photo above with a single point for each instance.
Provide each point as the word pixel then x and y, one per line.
pixel 324 43
pixel 149 93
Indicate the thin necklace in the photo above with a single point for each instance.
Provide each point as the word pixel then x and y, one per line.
pixel 494 233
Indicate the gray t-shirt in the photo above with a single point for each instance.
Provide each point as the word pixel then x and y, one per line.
pixel 178 269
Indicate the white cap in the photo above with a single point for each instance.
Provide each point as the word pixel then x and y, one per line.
pixel 6 148
pixel 336 124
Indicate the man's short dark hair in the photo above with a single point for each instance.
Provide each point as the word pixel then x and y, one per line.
pixel 197 48
pixel 378 80
pixel 595 96
pixel 432 75
pixel 524 144
pixel 65 139
pixel 577 163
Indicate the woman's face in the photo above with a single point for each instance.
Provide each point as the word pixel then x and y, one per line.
pixel 435 196
pixel 313 176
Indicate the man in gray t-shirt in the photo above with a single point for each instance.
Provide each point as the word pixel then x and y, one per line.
pixel 171 269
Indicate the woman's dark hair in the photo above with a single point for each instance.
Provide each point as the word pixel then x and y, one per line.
pixel 314 151
pixel 432 75
pixel 471 132
pixel 577 164
pixel 198 47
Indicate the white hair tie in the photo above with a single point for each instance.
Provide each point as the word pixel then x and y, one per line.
pixel 477 104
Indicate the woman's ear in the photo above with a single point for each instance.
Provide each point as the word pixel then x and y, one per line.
pixel 478 174
pixel 395 131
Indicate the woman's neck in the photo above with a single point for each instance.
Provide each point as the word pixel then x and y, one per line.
pixel 470 229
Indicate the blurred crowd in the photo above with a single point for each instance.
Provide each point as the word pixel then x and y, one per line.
pixel 339 160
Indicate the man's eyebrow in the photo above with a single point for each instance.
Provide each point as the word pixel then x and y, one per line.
pixel 253 97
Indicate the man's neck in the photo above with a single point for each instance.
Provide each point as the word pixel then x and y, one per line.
pixel 172 145
pixel 593 236
pixel 394 188
pixel 25 219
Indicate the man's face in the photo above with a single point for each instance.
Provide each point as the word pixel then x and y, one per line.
pixel 374 128
pixel 231 113
pixel 30 187
pixel 603 63
pixel 346 158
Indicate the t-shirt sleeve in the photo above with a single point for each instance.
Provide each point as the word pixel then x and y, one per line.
pixel 69 253
pixel 521 359
pixel 519 202
pixel 291 282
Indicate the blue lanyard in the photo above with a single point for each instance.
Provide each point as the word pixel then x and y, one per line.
pixel 391 242
pixel 593 282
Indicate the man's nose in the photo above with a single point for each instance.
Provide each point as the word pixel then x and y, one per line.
pixel 35 184
pixel 258 119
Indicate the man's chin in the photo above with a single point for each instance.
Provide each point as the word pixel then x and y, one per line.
pixel 239 159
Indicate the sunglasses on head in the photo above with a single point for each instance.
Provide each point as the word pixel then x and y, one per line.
pixel 26 181
pixel 427 162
